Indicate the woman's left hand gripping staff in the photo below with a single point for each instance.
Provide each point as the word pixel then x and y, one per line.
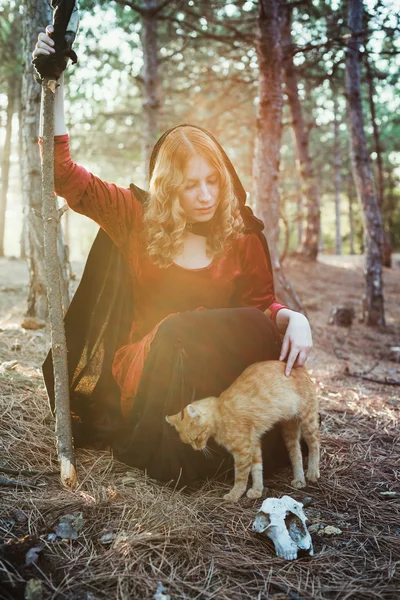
pixel 297 343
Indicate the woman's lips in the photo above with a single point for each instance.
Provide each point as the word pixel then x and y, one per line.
pixel 205 210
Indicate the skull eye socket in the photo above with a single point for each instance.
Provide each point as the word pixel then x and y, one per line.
pixel 295 527
pixel 261 523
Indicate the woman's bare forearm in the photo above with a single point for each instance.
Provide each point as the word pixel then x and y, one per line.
pixel 59 118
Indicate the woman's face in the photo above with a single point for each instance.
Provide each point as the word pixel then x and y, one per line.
pixel 200 196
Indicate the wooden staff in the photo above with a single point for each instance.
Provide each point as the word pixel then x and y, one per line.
pixel 51 218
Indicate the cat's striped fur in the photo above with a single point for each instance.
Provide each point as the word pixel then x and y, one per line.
pixel 260 397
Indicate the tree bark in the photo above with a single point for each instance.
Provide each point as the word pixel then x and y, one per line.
pixel 67 235
pixel 268 139
pixel 310 189
pixel 286 237
pixel 337 172
pixel 151 103
pixel 53 283
pixel 387 246
pixel 5 163
pixel 299 214
pixel 375 130
pixel 36 14
pixel 350 198
pixel 390 211
pixel 24 231
pixel 362 172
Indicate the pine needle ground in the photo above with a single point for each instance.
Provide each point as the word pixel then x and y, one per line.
pixel 137 532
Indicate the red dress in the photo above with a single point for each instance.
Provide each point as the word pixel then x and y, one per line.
pixel 240 277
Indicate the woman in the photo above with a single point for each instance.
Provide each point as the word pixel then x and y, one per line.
pixel 188 307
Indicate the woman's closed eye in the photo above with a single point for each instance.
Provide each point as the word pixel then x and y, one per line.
pixel 191 186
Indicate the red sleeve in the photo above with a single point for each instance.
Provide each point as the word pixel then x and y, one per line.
pixel 255 283
pixel 115 209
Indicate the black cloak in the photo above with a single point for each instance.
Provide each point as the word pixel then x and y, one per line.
pixel 98 322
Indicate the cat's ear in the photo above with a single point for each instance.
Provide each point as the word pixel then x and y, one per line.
pixel 170 420
pixel 192 411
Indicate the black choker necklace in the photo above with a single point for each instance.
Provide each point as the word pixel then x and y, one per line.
pixel 200 228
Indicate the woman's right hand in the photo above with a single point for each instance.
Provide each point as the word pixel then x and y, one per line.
pixel 44 44
pixel 44 47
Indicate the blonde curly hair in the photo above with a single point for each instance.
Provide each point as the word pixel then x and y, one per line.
pixel 164 218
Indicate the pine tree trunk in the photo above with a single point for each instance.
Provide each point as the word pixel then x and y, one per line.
pixel 67 228
pixel 387 246
pixel 310 190
pixel 390 210
pixel 24 231
pixel 36 14
pixel 268 139
pixel 299 217
pixel 53 283
pixel 350 198
pixel 5 163
pixel 151 102
pixel 375 130
pixel 337 173
pixel 362 172
pixel 24 234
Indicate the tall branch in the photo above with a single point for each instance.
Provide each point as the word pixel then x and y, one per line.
pixel 58 342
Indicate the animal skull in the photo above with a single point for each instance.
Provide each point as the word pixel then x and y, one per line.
pixel 284 522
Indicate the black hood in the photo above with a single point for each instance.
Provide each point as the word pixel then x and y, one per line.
pixel 250 221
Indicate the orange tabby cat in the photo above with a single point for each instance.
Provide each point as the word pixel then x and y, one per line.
pixel 260 397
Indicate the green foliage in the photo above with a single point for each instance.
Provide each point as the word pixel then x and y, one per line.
pixel 209 76
pixel 208 68
pixel 10 42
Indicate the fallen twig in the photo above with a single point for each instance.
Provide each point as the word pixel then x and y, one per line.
pixel 364 374
pixel 5 482
pixel 24 472
pixel 384 381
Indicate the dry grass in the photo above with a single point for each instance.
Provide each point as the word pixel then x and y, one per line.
pixel 198 546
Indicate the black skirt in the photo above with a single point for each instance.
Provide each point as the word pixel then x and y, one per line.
pixel 195 355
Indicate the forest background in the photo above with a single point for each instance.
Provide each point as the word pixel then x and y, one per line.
pixel 137 534
pixel 208 75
